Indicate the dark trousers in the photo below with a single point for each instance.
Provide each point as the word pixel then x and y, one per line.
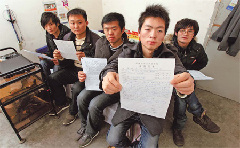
pixel 117 134
pixel 91 105
pixel 58 79
pixel 47 65
pixel 76 89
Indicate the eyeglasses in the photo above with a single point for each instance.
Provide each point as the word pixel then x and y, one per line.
pixel 188 31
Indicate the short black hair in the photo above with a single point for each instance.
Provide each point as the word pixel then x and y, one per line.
pixel 185 23
pixel 47 16
pixel 154 11
pixel 77 11
pixel 114 16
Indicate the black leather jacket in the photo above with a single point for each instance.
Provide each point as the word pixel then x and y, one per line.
pixel 193 57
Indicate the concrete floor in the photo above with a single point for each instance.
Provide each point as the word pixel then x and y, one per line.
pixel 48 132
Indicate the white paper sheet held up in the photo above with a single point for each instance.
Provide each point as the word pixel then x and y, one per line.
pixel 146 87
pixel 92 68
pixel 197 75
pixel 67 49
pixel 38 54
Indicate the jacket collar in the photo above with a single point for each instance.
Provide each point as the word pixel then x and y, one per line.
pixel 189 47
pixel 162 49
pixel 72 36
pixel 124 36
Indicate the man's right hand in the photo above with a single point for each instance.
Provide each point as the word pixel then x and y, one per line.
pixel 81 76
pixel 55 61
pixel 110 83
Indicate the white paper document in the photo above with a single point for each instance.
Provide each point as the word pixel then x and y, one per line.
pixel 146 87
pixel 92 68
pixel 67 49
pixel 38 54
pixel 197 75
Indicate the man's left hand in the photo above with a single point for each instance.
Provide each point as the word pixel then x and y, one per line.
pixel 183 83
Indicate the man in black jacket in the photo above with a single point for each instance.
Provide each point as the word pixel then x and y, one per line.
pixel 54 30
pixel 92 103
pixel 153 24
pixel 84 41
pixel 193 57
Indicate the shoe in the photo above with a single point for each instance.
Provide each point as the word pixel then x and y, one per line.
pixel 206 123
pixel 135 144
pixel 178 138
pixel 80 133
pixel 58 109
pixel 86 139
pixel 69 119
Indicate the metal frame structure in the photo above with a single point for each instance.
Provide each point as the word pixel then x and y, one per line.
pixel 24 95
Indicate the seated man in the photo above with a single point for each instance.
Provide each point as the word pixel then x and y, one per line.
pixel 54 30
pixel 92 103
pixel 84 41
pixel 153 24
pixel 193 57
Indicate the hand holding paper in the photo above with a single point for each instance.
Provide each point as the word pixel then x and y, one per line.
pixel 111 83
pixel 92 68
pixel 57 54
pixel 183 83
pixel 81 76
pixel 80 55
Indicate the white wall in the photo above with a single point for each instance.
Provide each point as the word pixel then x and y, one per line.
pixel 28 13
pixel 200 10
pixel 223 68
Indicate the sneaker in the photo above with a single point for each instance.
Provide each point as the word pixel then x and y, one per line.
pixel 58 109
pixel 206 123
pixel 86 139
pixel 178 138
pixel 80 133
pixel 69 119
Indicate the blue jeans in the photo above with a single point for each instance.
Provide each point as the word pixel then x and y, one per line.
pixel 191 104
pixel 117 135
pixel 47 65
pixel 90 108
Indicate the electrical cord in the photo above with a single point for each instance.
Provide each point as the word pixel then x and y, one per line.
pixel 12 19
